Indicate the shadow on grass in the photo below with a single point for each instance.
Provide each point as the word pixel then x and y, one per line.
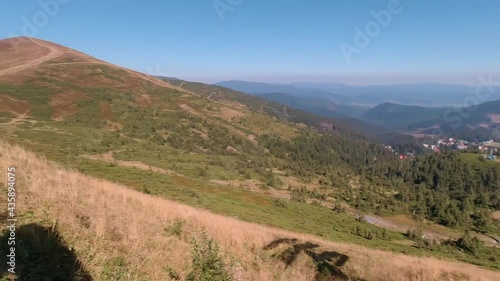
pixel 328 263
pixel 41 255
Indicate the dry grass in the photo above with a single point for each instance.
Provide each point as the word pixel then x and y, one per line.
pixel 103 220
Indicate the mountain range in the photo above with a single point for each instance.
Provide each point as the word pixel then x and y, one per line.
pixel 453 110
pixel 433 95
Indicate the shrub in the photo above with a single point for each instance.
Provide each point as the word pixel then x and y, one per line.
pixel 208 264
pixel 469 244
pixel 175 228
pixel 172 273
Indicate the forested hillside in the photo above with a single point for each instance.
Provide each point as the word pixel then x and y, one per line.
pixel 445 188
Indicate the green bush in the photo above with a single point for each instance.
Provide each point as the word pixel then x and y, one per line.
pixel 208 264
pixel 175 229
pixel 172 273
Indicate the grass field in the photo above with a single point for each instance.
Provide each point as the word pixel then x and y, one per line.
pixel 143 140
pixel 255 207
pixel 479 161
pixel 195 140
pixel 109 232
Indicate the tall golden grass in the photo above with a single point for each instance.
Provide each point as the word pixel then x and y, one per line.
pixel 101 220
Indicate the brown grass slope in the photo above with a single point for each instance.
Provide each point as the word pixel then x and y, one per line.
pixel 22 58
pixel 119 234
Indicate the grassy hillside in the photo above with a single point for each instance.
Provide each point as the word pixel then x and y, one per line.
pixel 205 146
pixel 98 230
pixel 349 127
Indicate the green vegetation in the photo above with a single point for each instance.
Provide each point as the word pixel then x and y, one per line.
pixel 208 264
pixel 444 188
pixel 175 228
pixel 174 146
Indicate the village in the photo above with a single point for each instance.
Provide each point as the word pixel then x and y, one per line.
pixel 489 149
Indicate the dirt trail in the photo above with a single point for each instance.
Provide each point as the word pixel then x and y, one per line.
pixel 388 224
pixel 400 226
pixel 108 157
pixel 53 53
pixel 10 127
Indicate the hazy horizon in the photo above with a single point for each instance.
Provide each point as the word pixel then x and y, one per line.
pixel 365 80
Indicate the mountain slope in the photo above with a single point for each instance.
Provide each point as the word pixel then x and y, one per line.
pixel 482 121
pixel 350 127
pixel 108 239
pixel 397 116
pixel 205 146
pixel 22 57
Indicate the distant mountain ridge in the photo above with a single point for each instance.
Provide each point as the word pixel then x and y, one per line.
pixel 409 108
pixel 482 121
pixel 435 95
pixel 398 116
pixel 317 106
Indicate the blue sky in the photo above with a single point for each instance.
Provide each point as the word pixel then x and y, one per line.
pixel 448 41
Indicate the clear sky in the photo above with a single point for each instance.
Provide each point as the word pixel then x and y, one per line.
pixel 274 40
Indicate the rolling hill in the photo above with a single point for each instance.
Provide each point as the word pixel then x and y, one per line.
pixel 204 146
pixel 397 116
pixel 481 121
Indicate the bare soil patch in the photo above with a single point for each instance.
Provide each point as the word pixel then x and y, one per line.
pixel 496 215
pixel 63 104
pixel 228 113
pixel 188 109
pixel 14 106
pixel 108 116
pixel 108 157
pixel 23 54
